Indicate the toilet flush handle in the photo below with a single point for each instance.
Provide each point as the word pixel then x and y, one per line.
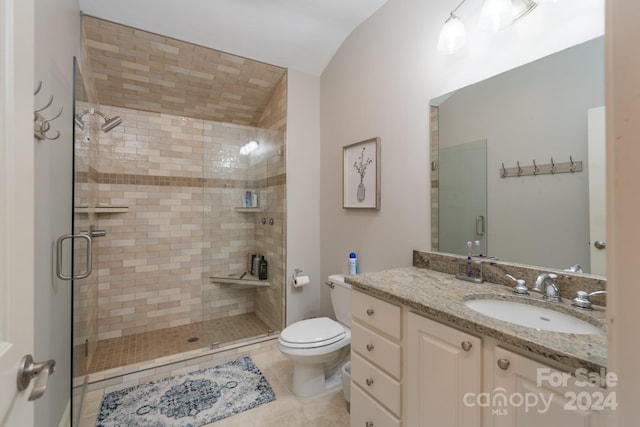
pixel 370 311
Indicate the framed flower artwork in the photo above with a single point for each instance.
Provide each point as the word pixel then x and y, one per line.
pixel 361 175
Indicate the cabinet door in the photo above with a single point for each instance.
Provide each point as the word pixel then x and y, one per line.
pixel 536 395
pixel 444 365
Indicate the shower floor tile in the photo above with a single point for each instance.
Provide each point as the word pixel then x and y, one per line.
pixel 234 328
pixel 130 349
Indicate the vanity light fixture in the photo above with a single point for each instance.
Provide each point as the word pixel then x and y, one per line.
pixel 495 15
pixel 249 147
pixel 452 35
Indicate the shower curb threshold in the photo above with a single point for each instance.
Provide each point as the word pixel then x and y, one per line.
pixel 138 369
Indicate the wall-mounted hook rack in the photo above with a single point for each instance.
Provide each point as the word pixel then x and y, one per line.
pixel 550 168
pixel 42 125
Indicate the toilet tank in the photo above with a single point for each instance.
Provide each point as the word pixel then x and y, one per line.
pixel 341 299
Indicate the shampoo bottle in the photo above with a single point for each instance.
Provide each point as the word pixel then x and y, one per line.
pixel 353 263
pixel 262 274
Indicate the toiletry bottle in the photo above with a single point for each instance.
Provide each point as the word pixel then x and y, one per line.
pixel 262 275
pixel 469 245
pixel 256 265
pixel 353 263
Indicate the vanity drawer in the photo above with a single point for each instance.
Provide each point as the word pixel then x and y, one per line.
pixel 374 312
pixel 367 412
pixel 378 384
pixel 376 349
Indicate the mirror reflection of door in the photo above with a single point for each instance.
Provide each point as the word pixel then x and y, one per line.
pixel 462 200
pixel 596 138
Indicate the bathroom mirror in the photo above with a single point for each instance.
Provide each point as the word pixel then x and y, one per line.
pixel 543 111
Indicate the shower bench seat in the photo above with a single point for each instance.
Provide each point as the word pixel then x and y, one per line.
pixel 240 283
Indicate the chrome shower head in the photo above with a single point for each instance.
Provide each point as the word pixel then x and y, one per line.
pixel 111 123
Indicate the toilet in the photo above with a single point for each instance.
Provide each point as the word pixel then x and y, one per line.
pixel 319 347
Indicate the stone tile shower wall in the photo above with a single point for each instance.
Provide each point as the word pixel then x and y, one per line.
pixel 180 179
pixel 435 182
pixel 150 262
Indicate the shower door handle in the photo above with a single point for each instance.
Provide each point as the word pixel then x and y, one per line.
pixel 480 225
pixel 89 264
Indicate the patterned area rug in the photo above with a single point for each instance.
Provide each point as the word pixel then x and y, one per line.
pixel 188 400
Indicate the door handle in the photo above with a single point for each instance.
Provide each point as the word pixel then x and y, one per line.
pixel 29 369
pixel 89 264
pixel 599 244
pixel 480 225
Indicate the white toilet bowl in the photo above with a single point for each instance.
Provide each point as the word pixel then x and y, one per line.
pixel 319 347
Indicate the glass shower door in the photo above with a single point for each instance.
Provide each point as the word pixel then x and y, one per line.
pixel 463 197
pixel 84 291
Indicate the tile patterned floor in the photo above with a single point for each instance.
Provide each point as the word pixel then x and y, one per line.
pixel 122 351
pixel 287 410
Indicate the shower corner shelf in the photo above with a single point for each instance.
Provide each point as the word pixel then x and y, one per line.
pixel 237 283
pixel 254 209
pixel 101 209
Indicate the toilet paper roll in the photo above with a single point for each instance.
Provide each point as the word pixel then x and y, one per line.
pixel 301 281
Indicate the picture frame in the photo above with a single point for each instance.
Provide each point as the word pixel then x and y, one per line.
pixel 361 175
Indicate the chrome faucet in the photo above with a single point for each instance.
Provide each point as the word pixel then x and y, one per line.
pixel 582 301
pixel 550 292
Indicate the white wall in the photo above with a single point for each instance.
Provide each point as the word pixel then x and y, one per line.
pixel 57 40
pixel 379 84
pixel 303 186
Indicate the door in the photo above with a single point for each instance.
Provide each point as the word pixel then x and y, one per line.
pixel 596 138
pixel 16 205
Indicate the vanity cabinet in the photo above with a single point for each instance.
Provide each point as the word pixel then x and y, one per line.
pixel 375 362
pixel 407 369
pixel 444 364
pixel 536 394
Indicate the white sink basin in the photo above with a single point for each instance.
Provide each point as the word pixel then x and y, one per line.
pixel 532 316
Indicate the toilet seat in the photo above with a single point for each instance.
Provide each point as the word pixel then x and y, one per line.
pixel 311 333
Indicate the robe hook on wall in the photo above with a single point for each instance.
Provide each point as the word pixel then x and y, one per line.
pixel 42 125
pixel 536 170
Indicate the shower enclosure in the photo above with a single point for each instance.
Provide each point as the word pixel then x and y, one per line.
pixel 163 193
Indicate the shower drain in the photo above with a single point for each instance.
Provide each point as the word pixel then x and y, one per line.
pixel 193 339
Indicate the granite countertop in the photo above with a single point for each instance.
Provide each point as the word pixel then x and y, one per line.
pixel 442 297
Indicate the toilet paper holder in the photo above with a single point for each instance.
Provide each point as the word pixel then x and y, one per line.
pixel 298 280
pixel 296 273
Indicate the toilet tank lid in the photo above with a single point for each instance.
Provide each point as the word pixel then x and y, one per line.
pixel 337 278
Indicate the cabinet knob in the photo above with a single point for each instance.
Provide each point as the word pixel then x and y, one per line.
pixel 369 311
pixel 368 424
pixel 369 347
pixel 503 364
pixel 466 345
pixel 369 382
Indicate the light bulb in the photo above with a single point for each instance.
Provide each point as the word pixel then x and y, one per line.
pixel 452 35
pixel 495 15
